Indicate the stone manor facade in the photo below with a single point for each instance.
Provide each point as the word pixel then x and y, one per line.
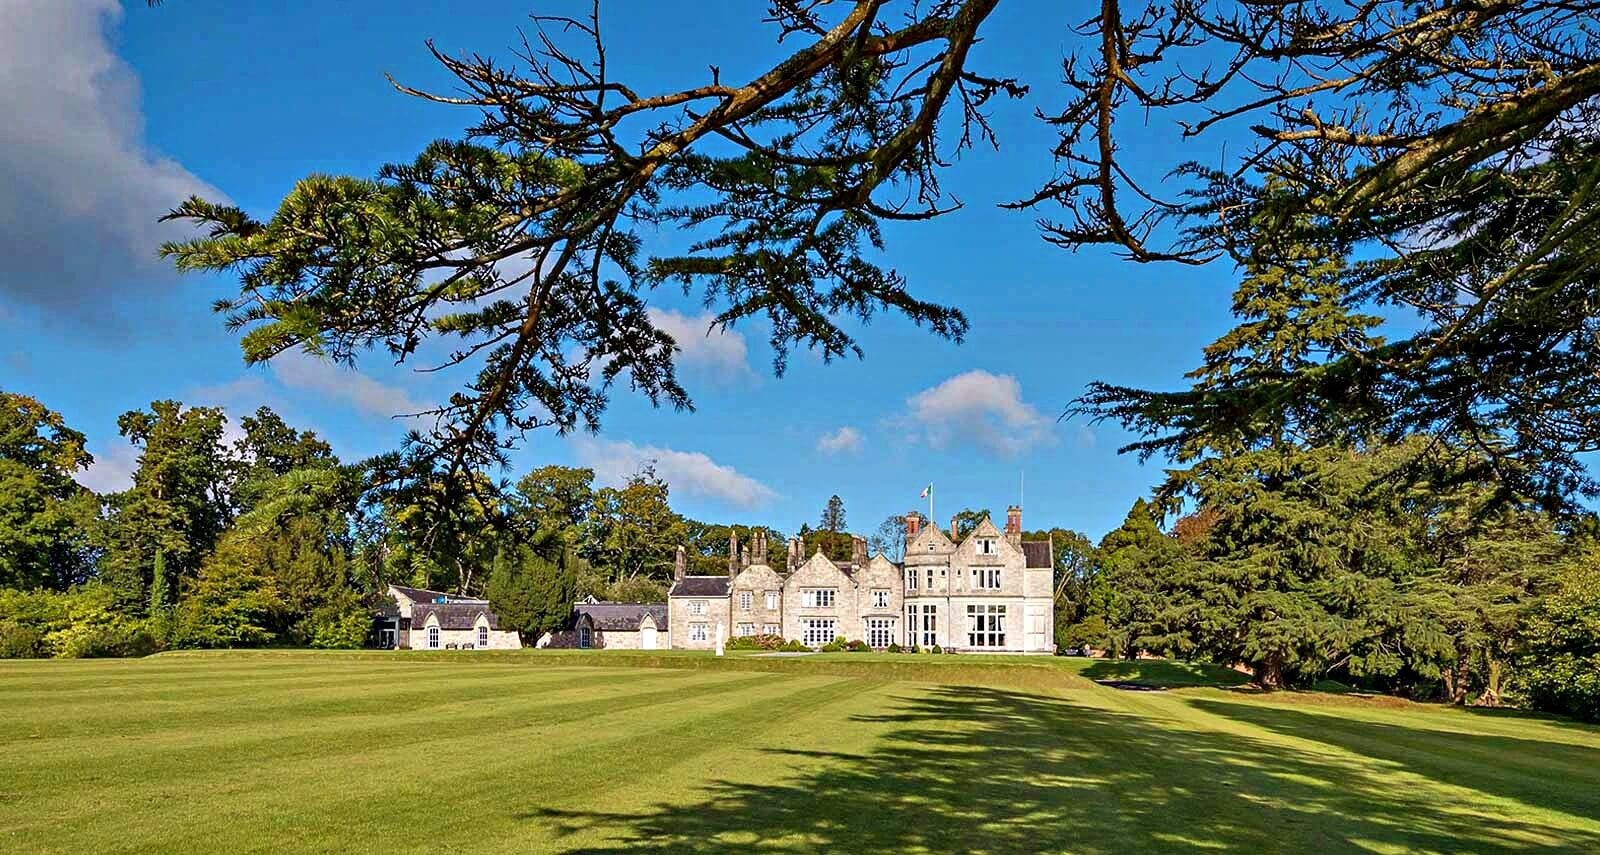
pixel 989 592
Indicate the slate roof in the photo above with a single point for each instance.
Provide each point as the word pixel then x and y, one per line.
pixel 1037 553
pixel 700 586
pixel 623 617
pixel 420 595
pixel 458 615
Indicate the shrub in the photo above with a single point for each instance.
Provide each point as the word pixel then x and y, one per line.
pixel 756 642
pixel 794 646
pixel 834 646
pixel 894 647
pixel 937 649
pixel 18 641
pixel 857 646
pixel 103 641
pixel 336 626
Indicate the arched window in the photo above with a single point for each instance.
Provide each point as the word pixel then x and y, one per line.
pixel 433 638
pixel 483 635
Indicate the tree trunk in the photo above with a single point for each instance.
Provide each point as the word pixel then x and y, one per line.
pixel 1456 678
pixel 1491 692
pixel 1269 672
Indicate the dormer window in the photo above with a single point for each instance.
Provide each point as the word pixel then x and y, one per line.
pixel 986 546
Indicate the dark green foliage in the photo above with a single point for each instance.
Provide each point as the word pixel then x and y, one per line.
pixel 857 646
pixel 1560 654
pixel 833 516
pixel 837 645
pixel 756 642
pixel 47 521
pixel 532 594
pixel 179 503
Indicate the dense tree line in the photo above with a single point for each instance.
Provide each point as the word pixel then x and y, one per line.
pixel 270 539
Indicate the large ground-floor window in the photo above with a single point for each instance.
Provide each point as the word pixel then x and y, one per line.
pixel 815 632
pixel 433 638
pixel 986 626
pixel 745 629
pixel 880 632
pixel 699 631
pixel 922 625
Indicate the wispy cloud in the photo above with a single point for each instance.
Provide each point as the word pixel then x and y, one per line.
pixel 342 384
pixel 80 191
pixel 980 409
pixel 687 472
pixel 845 440
pixel 719 354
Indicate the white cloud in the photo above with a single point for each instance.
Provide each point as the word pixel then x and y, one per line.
pixel 982 409
pixel 687 472
pixel 335 382
pixel 720 353
pixel 80 192
pixel 844 440
pixel 112 470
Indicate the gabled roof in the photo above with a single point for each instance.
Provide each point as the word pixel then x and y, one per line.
pixel 454 615
pixel 625 617
pixel 420 595
pixel 1037 553
pixel 700 586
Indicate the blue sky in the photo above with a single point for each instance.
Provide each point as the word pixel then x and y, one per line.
pixel 113 115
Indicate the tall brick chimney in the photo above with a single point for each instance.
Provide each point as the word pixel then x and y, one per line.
pixel 733 553
pixel 953 537
pixel 913 526
pixel 680 564
pixel 858 550
pixel 1014 525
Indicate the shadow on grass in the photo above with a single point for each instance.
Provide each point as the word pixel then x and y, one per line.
pixel 968 769
pixel 1546 774
pixel 1161 673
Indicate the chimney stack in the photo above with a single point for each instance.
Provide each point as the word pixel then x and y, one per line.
pixel 1014 525
pixel 792 560
pixel 953 537
pixel 858 550
pixel 733 552
pixel 913 526
pixel 680 564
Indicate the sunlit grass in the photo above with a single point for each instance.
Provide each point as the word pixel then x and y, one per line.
pixel 591 752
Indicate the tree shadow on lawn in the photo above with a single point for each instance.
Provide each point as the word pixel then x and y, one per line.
pixel 1164 673
pixel 1540 773
pixel 966 769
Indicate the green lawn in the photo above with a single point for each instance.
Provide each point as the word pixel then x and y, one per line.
pixel 590 752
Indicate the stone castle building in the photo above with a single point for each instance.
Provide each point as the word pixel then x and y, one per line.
pixel 989 592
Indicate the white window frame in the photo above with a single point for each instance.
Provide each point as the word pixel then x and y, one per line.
pixel 880 598
pixel 699 631
pixel 986 625
pixel 930 579
pixel 772 601
pixel 986 578
pixel 747 601
pixel 745 630
pixel 697 607
pixel 771 629
pixel 818 598
pixel 815 632
pixel 433 638
pixel 585 637
pixel 911 579
pixel 483 635
pixel 922 625
pixel 986 546
pixel 880 632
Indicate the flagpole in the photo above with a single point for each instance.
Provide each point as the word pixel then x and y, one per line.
pixel 932 520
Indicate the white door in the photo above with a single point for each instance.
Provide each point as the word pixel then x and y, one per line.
pixel 1036 629
pixel 647 638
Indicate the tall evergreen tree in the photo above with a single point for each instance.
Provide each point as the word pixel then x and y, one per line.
pixel 833 515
